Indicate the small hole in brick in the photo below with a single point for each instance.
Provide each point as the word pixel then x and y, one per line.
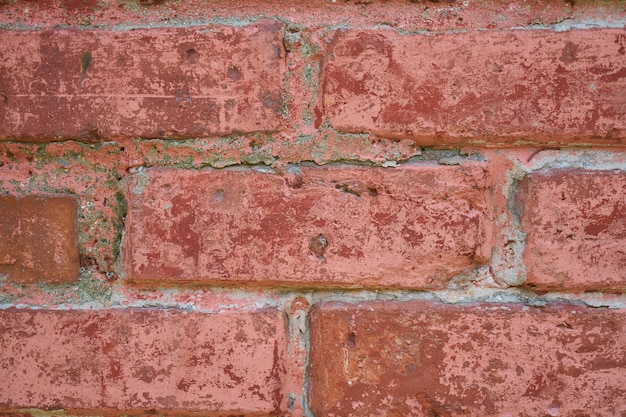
pixel 295 181
pixel 318 246
pixel 218 196
pixel 191 54
pixel 234 73
pixel 346 189
pixel 351 340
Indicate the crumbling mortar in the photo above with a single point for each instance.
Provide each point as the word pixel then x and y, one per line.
pixel 509 268
pixel 250 299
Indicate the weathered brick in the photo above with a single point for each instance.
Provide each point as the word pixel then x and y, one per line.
pixel 416 15
pixel 414 226
pixel 480 87
pixel 575 225
pixel 424 358
pixel 38 239
pixel 231 362
pixel 154 83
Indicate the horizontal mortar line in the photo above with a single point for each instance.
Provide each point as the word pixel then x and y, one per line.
pixel 280 299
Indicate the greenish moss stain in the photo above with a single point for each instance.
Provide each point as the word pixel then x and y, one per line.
pixel 129 5
pixel 77 172
pixel 9 154
pixel 309 76
pixel 308 49
pixel 310 82
pixel 307 117
pixel 285 96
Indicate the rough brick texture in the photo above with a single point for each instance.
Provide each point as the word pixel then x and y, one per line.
pixel 414 226
pixel 205 204
pixel 480 87
pixel 151 83
pixel 142 359
pixel 575 225
pixel 38 239
pixel 423 358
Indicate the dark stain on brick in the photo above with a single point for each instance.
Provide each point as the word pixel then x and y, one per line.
pixel 85 63
pixel 621 40
pixel 145 373
pixel 228 370
pixel 278 369
pixel 351 339
pixel 569 53
pixel 318 117
pixel 184 384
pixel 271 101
pixel 151 2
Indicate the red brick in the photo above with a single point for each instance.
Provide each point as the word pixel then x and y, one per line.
pixel 480 87
pixel 155 83
pixel 417 15
pixel 142 359
pixel 38 239
pixel 414 226
pixel 575 225
pixel 427 359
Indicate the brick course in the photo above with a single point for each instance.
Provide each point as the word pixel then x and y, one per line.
pixel 142 359
pixel 38 238
pixel 415 226
pixel 155 83
pixel 481 87
pixel 424 358
pixel 575 225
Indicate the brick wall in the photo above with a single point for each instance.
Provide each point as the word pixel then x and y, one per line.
pixel 312 208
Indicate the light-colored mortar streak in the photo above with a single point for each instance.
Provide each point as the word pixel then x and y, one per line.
pixel 242 299
pixel 590 159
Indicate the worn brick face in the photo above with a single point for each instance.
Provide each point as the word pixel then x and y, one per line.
pixel 230 362
pixel 154 83
pixel 479 87
pixel 415 226
pixel 38 239
pixel 575 225
pixel 425 358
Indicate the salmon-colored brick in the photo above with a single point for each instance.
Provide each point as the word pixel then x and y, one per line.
pixel 427 359
pixel 575 225
pixel 231 362
pixel 514 87
pixel 154 83
pixel 38 239
pixel 414 226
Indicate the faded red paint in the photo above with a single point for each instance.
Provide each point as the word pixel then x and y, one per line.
pixel 415 15
pixel 38 238
pixel 575 225
pixel 424 358
pixel 485 88
pixel 208 248
pixel 152 83
pixel 414 226
pixel 230 362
